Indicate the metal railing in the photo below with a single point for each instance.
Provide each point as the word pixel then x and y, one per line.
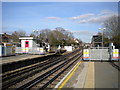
pixel 33 50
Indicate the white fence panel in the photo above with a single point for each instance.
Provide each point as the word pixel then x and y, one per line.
pixel 18 50
pixel 34 50
pixel 99 54
pixel 8 51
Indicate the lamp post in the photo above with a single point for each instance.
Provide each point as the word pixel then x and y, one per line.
pixel 37 32
pixel 102 34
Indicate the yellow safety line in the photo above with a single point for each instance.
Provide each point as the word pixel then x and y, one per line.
pixel 89 82
pixel 69 75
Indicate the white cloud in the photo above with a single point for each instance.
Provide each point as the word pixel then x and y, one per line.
pixel 100 18
pixel 94 18
pixel 82 16
pixel 81 32
pixel 83 21
pixel 84 32
pixel 107 12
pixel 56 18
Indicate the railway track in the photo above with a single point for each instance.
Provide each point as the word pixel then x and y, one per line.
pixel 115 65
pixel 43 81
pixel 26 77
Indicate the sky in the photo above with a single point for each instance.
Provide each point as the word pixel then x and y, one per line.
pixel 81 18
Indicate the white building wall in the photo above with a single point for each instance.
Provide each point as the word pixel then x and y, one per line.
pixel 23 43
pixel 68 48
pixel 30 43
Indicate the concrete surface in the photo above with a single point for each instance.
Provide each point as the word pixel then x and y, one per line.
pixel 78 78
pixel 89 83
pixel 82 77
pixel 106 76
pixel 16 58
pixel 94 75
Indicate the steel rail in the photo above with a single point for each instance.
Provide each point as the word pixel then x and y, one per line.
pixel 6 85
pixel 16 73
pixel 31 73
pixel 19 72
pixel 45 75
pixel 56 76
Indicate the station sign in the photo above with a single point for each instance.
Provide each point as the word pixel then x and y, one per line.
pixel 7 44
pixel 115 54
pixel 86 54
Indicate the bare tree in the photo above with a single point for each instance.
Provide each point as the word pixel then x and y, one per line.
pixel 56 37
pixel 17 34
pixel 112 31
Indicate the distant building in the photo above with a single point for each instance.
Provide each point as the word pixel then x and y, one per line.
pixel 87 44
pixel 27 42
pixel 97 41
pixel 6 38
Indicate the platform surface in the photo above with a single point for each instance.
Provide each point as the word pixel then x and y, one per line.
pixel 106 76
pixel 10 59
pixel 94 75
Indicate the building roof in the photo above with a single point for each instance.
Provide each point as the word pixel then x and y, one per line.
pixel 6 36
pixel 24 38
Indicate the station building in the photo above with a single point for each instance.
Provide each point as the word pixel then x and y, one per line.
pixel 27 42
pixel 32 45
pixel 97 41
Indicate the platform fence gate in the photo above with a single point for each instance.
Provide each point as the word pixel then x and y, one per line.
pixel 99 53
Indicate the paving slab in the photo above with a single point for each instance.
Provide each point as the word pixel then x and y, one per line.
pixel 106 76
pixel 94 75
pixel 78 78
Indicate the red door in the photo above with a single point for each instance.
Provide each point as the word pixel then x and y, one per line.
pixel 26 43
